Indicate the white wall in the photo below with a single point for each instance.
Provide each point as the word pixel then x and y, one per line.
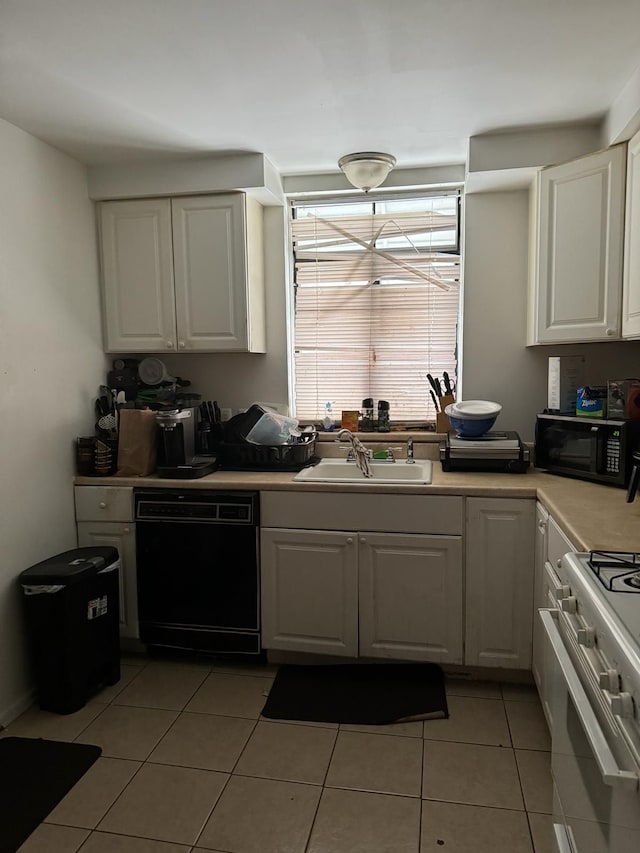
pixel 496 364
pixel 51 363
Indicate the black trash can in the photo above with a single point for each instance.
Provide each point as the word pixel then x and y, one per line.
pixel 73 618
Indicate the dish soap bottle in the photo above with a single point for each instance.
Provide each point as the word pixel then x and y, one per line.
pixel 327 421
pixel 383 416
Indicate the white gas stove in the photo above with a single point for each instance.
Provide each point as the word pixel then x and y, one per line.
pixel 594 684
pixel 605 591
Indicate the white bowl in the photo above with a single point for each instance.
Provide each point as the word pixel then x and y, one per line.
pixel 474 409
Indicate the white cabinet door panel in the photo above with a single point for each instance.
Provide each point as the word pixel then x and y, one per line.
pixel 137 271
pixel 631 279
pixel 580 234
pixel 309 591
pixel 499 582
pixel 122 537
pixel 210 272
pixel 410 599
pixel 539 595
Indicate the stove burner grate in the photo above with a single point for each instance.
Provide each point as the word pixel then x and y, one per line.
pixel 626 565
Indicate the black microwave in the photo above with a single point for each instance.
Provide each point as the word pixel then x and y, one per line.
pixel 589 449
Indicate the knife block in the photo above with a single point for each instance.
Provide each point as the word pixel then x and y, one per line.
pixel 442 420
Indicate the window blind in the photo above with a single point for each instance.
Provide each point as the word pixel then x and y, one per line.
pixel 376 302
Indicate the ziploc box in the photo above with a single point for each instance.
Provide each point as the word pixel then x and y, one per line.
pixel 591 401
pixel 623 399
pixel 566 375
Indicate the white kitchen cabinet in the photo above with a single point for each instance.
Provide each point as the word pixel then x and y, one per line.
pixel 631 275
pixel 183 274
pixel 499 548
pixel 121 536
pixel 104 516
pixel 309 591
pixel 368 594
pixel 577 250
pixel 378 575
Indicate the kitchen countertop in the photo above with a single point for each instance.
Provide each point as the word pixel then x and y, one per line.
pixel 592 516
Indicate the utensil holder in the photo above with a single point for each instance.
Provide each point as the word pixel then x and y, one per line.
pixel 442 420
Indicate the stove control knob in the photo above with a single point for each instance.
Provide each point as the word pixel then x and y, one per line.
pixel 569 604
pixel 587 637
pixel 622 705
pixel 609 680
pixel 563 591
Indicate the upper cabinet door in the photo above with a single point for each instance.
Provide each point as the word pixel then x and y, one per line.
pixel 631 288
pixel 137 271
pixel 213 274
pixel 579 241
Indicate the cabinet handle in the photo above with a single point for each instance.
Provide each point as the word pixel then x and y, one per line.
pixel 170 344
pixel 611 332
pixel 349 540
pixel 559 563
pixel 182 345
pixel 363 540
pixel 127 530
pixel 541 526
pixel 102 505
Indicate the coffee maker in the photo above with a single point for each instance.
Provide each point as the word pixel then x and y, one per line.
pixel 177 446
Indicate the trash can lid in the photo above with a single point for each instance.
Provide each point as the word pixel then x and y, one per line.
pixel 70 567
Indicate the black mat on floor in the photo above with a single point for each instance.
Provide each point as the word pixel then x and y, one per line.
pixel 366 694
pixel 35 775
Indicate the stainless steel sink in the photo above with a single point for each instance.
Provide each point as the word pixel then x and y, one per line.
pixel 341 471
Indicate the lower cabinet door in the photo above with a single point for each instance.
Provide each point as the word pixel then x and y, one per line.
pixel 411 597
pixel 539 596
pixel 309 591
pixel 500 538
pixel 122 537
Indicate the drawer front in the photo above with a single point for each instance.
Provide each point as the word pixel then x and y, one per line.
pixel 385 513
pixel 557 544
pixel 104 503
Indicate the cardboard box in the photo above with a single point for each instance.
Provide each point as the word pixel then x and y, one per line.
pixel 566 375
pixel 591 401
pixel 349 419
pixel 623 399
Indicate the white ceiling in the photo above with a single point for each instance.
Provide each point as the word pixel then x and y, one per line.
pixel 306 81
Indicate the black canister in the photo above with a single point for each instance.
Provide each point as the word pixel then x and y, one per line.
pixel 366 415
pixel 383 416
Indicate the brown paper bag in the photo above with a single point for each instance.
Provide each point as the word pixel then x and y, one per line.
pixel 137 436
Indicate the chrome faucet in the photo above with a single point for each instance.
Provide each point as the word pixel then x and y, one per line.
pixel 360 452
pixel 410 457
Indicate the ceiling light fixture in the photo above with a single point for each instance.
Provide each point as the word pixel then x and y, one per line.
pixel 367 169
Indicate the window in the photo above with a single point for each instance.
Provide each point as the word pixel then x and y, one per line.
pixel 376 302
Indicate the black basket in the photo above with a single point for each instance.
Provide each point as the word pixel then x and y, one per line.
pixel 267 457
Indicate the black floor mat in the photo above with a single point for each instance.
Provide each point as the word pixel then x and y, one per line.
pixel 366 694
pixel 35 775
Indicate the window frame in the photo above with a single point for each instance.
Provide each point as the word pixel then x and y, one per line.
pixel 335 198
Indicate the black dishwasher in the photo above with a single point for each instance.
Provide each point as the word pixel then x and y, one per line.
pixel 197 569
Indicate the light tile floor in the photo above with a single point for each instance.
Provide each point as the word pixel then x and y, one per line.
pixel 188 766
